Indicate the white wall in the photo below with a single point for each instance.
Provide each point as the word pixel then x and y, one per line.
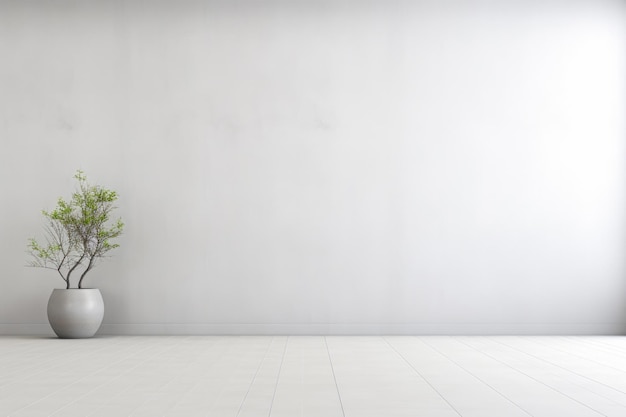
pixel 325 167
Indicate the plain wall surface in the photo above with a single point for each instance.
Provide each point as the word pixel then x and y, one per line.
pixel 324 167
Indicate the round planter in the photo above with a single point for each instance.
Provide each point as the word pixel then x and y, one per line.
pixel 75 313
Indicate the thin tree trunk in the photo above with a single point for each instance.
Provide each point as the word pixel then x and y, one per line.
pixel 80 281
pixel 67 280
pixel 72 270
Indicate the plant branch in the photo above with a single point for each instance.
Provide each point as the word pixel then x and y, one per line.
pixel 77 231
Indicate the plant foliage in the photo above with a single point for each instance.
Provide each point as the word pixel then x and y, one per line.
pixel 78 232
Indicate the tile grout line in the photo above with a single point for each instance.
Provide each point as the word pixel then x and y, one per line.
pixel 269 346
pixel 582 357
pixel 334 377
pixel 50 365
pixel 9 355
pixel 173 405
pixel 563 368
pixel 475 376
pixel 606 350
pixel 559 368
pixel 221 391
pixel 607 347
pixel 421 376
pixel 100 369
pixel 278 376
pixel 168 382
pixel 533 378
pixel 116 377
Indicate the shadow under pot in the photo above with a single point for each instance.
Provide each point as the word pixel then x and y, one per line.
pixel 75 313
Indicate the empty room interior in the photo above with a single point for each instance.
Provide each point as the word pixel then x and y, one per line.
pixel 317 208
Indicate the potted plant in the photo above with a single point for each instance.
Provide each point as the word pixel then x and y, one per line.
pixel 79 232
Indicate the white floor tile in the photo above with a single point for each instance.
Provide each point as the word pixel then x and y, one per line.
pixel 275 376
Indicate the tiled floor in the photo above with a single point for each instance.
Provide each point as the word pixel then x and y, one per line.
pixel 316 376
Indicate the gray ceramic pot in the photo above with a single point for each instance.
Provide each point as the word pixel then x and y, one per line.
pixel 75 313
